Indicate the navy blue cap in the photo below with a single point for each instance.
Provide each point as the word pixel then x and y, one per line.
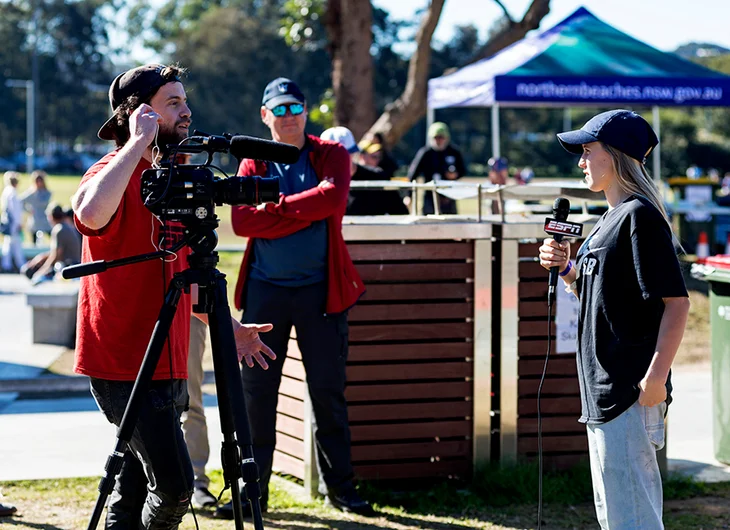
pixel 621 129
pixel 281 90
pixel 497 163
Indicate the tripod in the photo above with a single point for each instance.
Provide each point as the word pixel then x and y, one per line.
pixel 237 450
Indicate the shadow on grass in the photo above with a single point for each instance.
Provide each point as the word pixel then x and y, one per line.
pixel 336 521
pixel 6 522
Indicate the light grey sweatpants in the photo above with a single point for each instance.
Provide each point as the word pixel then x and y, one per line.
pixel 627 486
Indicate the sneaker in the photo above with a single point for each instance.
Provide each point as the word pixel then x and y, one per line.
pixel 348 500
pixel 203 498
pixel 7 510
pixel 225 511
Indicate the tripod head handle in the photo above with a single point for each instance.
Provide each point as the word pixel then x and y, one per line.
pixel 83 269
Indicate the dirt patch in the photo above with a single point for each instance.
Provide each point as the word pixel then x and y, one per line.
pixel 64 364
pixel 695 347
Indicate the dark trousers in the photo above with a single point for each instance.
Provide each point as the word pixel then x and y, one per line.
pixel 156 480
pixel 323 343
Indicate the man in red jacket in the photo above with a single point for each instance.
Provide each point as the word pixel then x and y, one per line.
pixel 297 272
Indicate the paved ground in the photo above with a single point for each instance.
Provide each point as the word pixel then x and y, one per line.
pixel 60 433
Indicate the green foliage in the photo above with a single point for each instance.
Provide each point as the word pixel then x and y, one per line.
pixel 683 487
pixel 71 47
pixel 323 113
pixel 228 72
pixel 301 24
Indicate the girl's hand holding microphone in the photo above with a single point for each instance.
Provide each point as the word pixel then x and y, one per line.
pixel 554 254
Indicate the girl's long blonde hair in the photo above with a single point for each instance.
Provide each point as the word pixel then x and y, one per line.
pixel 633 178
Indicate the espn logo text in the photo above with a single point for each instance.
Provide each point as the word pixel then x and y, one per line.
pixel 564 228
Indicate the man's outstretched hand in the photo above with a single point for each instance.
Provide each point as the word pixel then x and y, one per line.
pixel 249 345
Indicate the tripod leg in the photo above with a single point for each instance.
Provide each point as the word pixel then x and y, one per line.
pixel 140 389
pixel 232 408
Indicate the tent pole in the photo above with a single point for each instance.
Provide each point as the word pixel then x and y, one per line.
pixel 656 154
pixel 430 112
pixel 567 119
pixel 496 151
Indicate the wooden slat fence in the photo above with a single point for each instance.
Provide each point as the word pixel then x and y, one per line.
pixel 409 369
pixel 564 439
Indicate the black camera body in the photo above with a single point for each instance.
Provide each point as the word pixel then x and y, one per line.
pixel 189 193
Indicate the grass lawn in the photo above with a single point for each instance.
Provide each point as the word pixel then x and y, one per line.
pixel 63 187
pixel 497 500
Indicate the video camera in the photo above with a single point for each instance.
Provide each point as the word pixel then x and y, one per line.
pixel 189 192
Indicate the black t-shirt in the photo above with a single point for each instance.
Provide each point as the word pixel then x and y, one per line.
pixel 627 265
pixel 434 165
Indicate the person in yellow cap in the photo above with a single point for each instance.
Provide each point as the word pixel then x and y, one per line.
pixel 375 154
pixel 439 160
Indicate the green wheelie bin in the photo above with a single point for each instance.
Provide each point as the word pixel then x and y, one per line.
pixel 716 271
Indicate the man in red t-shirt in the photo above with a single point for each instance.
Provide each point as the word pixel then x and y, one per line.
pixel 118 309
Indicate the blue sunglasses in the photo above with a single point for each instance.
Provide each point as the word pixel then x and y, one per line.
pixel 295 108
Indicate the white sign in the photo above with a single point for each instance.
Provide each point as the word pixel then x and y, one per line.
pixel 566 321
pixel 698 196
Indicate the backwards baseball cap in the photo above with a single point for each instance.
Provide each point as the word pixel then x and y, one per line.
pixel 621 129
pixel 281 90
pixel 143 82
pixel 342 135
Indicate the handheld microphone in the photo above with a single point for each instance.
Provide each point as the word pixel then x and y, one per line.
pixel 559 228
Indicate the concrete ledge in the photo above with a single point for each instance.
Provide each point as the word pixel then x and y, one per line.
pixel 54 312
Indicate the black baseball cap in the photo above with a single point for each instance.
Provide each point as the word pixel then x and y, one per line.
pixel 281 90
pixel 621 129
pixel 143 82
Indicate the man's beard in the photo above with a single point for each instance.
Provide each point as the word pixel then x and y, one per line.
pixel 171 135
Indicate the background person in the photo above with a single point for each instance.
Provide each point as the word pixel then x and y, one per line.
pixel 11 215
pixel 365 201
pixel 118 309
pixel 633 311
pixel 35 200
pixel 383 157
pixel 438 160
pixel 297 272
pixel 65 248
pixel 498 175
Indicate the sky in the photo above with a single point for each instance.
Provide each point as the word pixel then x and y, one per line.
pixel 664 24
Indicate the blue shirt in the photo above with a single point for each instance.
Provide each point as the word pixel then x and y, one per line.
pixel 300 258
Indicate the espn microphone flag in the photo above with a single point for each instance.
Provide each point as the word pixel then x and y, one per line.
pixel 563 228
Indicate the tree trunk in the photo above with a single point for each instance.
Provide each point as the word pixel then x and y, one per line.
pixel 349 27
pixel 410 107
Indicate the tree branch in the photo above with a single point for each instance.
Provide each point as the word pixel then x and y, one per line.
pixel 410 106
pixel 506 13
pixel 514 31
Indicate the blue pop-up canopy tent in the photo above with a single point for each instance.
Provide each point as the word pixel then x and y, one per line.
pixel 580 61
